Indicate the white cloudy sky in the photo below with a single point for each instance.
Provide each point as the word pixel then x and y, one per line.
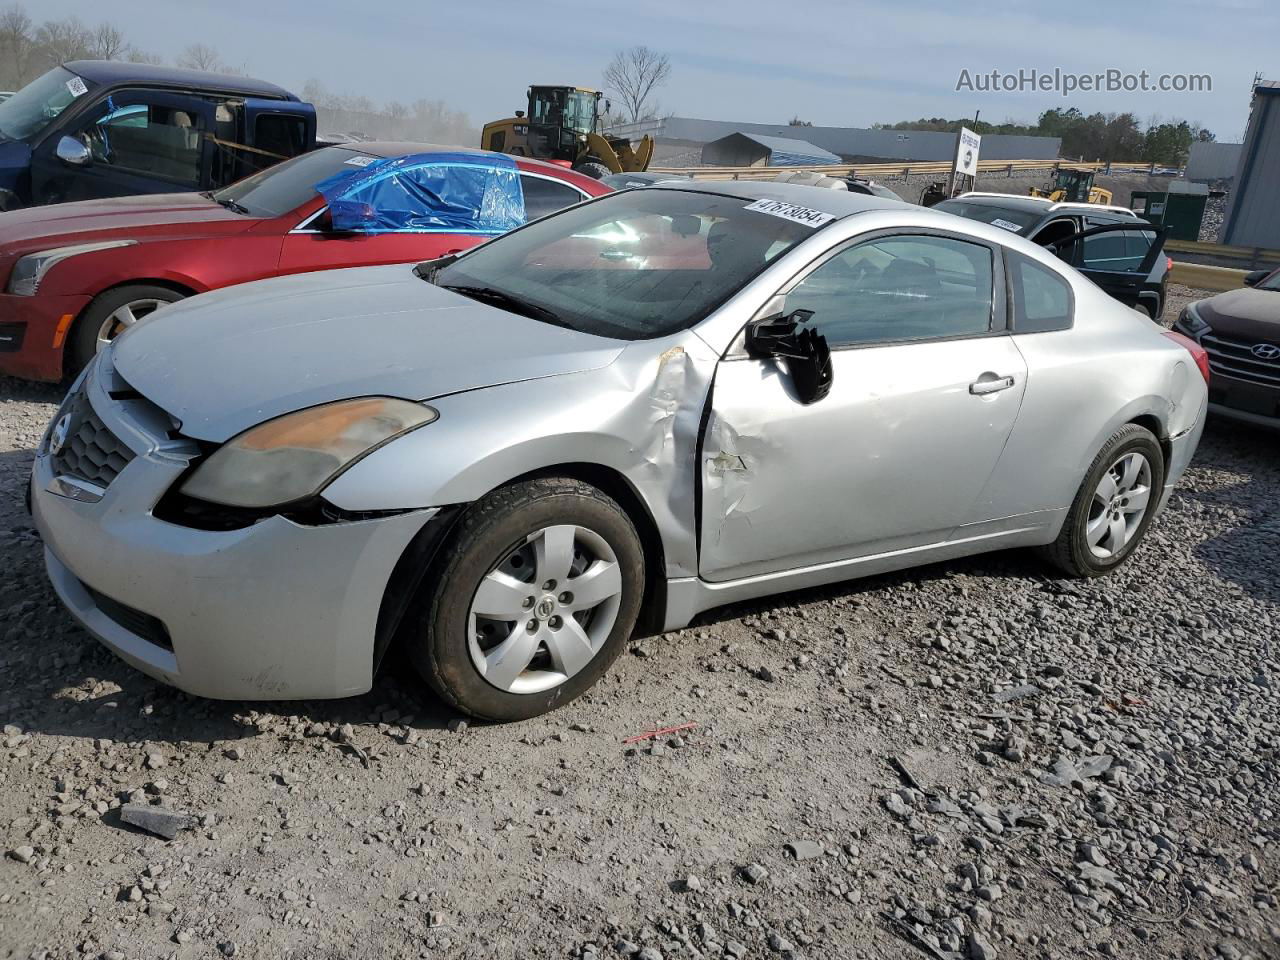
pixel 831 62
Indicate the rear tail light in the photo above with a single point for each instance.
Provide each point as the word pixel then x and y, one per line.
pixel 1198 353
pixel 1168 263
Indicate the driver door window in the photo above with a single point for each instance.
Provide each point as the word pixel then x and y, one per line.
pixel 149 139
pixel 899 288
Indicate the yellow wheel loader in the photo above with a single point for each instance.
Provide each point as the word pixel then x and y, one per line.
pixel 562 125
pixel 1072 185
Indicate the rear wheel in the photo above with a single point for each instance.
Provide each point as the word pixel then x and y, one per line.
pixel 110 315
pixel 592 168
pixel 1114 506
pixel 535 599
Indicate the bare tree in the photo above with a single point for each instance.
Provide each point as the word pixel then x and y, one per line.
pixel 134 55
pixel 108 43
pixel 633 75
pixel 200 57
pixel 58 41
pixel 16 47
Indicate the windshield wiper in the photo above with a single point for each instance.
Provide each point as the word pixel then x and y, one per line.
pixel 230 204
pixel 509 302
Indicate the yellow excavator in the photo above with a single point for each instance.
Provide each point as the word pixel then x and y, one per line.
pixel 563 125
pixel 1072 185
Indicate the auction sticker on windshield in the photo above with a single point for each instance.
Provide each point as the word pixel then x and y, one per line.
pixel 76 86
pixel 791 211
pixel 360 161
pixel 1006 225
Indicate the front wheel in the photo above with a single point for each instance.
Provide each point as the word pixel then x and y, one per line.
pixel 1113 507
pixel 593 168
pixel 534 600
pixel 110 315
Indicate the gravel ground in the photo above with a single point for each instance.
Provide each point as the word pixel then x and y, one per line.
pixel 1083 769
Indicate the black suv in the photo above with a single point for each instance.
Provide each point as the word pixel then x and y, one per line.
pixel 1112 246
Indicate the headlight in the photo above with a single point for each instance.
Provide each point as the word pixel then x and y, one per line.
pixel 1190 323
pixel 30 270
pixel 297 455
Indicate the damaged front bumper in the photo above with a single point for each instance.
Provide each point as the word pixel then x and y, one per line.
pixel 276 610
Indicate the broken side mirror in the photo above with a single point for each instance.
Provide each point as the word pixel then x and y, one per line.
pixel 1255 277
pixel 806 351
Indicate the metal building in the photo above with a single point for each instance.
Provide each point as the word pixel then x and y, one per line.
pixel 850 143
pixel 753 150
pixel 1253 214
pixel 1213 160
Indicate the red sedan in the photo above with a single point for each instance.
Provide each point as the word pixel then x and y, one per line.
pixel 75 275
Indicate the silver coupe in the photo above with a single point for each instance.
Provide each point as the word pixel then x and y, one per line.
pixel 605 422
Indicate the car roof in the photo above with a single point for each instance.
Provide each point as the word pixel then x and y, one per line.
pixel 111 73
pixel 1045 206
pixel 1009 201
pixel 838 203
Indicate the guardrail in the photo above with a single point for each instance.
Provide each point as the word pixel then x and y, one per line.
pixel 899 169
pixel 1254 257
pixel 1205 277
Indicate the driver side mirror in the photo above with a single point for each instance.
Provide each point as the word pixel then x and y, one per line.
pixel 73 152
pixel 1255 277
pixel 806 352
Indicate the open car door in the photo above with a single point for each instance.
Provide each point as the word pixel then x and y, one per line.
pixel 1118 257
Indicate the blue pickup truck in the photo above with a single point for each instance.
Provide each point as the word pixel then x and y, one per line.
pixel 100 128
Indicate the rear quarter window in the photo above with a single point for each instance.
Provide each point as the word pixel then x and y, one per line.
pixel 1042 300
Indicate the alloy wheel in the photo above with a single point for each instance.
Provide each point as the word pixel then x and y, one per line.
pixel 1120 503
pixel 124 317
pixel 545 609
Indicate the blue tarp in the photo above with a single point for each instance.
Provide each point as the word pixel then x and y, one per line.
pixel 427 193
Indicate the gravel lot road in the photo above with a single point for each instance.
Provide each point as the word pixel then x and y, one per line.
pixel 1084 769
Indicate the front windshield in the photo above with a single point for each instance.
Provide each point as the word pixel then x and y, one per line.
pixel 632 265
pixel 563 108
pixel 1015 221
pixel 1270 283
pixel 25 114
pixel 276 190
pixel 580 112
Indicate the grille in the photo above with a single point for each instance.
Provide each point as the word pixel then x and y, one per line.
pixel 1234 358
pixel 90 452
pixel 135 621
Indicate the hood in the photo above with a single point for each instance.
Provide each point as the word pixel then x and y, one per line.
pixel 15 162
pixel 154 217
pixel 225 361
pixel 1248 314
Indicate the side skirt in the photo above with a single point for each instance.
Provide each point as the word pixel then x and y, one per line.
pixel 689 596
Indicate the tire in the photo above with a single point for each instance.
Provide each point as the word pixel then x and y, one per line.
pixel 1077 551
pixel 592 168
pixel 517 532
pixel 97 319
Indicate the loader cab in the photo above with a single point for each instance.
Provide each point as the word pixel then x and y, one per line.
pixel 559 119
pixel 1075 185
pixel 569 107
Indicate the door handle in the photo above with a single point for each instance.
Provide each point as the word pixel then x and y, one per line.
pixel 989 383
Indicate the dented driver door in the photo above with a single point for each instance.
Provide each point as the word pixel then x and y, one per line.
pixel 899 453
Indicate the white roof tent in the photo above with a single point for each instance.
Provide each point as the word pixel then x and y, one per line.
pixel 755 150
